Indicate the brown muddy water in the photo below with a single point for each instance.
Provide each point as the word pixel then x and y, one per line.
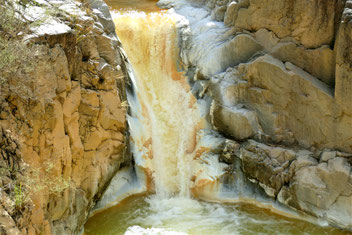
pixel 189 216
pixel 148 36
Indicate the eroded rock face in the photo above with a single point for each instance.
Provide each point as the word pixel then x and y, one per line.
pixel 72 134
pixel 287 18
pixel 316 191
pixel 306 114
pixel 287 98
pixel 316 183
pixel 235 121
pixel 343 61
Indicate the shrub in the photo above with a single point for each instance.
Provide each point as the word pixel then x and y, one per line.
pixel 16 55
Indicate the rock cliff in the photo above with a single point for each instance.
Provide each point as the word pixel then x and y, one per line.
pixel 277 76
pixel 61 146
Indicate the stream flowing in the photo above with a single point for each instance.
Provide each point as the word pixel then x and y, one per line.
pixel 167 126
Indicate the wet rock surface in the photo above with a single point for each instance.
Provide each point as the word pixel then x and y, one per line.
pixel 287 102
pixel 317 183
pixel 71 134
pixel 275 76
pixel 302 179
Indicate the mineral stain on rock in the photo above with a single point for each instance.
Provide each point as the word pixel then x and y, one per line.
pixel 227 101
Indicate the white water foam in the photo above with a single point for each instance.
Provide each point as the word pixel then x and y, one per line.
pixel 188 216
pixel 137 230
pixel 164 122
pixel 165 117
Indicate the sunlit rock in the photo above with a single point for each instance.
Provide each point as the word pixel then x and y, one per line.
pixel 71 132
pixel 291 18
pixel 343 66
pixel 324 190
pixel 239 123
pixel 281 92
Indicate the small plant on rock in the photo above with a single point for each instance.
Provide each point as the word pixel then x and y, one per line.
pixel 16 55
pixel 18 195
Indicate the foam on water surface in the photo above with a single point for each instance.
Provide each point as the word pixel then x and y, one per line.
pixel 165 118
pixel 180 215
pixel 172 148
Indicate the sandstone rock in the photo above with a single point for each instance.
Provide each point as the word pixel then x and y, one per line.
pixel 318 62
pixel 267 39
pixel 218 8
pixel 240 49
pixel 320 189
pixel 289 115
pixel 324 190
pixel 288 18
pixel 286 105
pixel 327 155
pixel 267 165
pixel 73 132
pixel 207 169
pixel 294 54
pixel 7 225
pixel 232 10
pixel 343 58
pixel 237 122
pixel 89 48
pixel 302 161
pixel 112 115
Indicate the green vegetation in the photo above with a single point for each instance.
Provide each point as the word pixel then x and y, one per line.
pixel 16 55
pixel 19 196
pixel 11 175
pixel 19 57
pixel 41 180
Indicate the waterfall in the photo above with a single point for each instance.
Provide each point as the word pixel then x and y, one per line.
pixel 176 153
pixel 165 117
pixel 175 150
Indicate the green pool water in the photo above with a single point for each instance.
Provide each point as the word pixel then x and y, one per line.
pixel 153 215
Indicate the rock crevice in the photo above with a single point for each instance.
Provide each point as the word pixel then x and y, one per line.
pixel 71 135
pixel 277 74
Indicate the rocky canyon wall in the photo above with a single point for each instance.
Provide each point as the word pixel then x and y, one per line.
pixel 277 77
pixel 61 146
pixel 274 75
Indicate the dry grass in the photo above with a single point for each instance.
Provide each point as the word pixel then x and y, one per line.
pixel 16 55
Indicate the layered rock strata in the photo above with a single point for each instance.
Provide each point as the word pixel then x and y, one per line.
pixel 276 75
pixel 317 183
pixel 68 140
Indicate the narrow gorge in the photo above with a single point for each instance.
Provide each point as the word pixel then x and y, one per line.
pixel 175 117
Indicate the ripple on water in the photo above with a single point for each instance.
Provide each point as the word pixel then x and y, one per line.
pixel 178 215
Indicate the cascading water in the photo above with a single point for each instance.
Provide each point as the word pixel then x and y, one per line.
pixel 166 122
pixel 169 138
pixel 172 151
pixel 164 140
